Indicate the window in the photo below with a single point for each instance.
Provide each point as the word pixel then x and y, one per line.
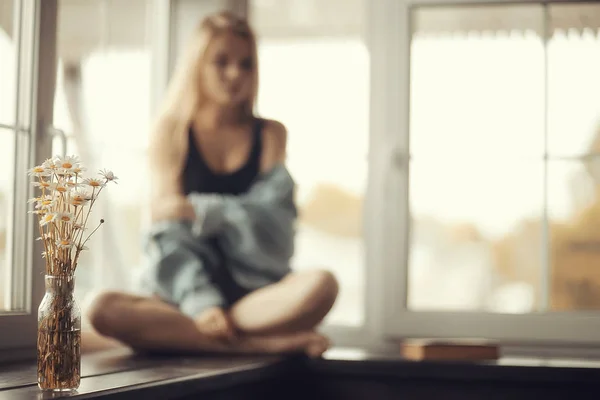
pixel 10 46
pixel 476 174
pixel 102 103
pixel 112 68
pixel 23 54
pixel 468 135
pixel 314 77
pixel 113 61
pixel 496 144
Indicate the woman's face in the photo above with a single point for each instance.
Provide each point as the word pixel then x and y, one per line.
pixel 227 73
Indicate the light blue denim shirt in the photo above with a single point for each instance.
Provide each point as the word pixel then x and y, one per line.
pixel 255 232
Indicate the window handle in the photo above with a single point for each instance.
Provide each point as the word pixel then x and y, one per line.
pixel 62 136
pixel 400 158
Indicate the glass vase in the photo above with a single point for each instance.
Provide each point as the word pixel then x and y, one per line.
pixel 59 336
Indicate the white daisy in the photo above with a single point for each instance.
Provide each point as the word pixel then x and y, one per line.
pixel 50 164
pixel 59 187
pixel 95 183
pixel 108 175
pixel 46 203
pixel 39 171
pixel 79 197
pixel 79 170
pixel 47 218
pixel 42 184
pixel 80 194
pixel 64 244
pixel 67 163
pixel 73 184
pixel 65 172
pixel 65 217
pixel 77 203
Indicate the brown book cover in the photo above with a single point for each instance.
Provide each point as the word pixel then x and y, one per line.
pixel 460 350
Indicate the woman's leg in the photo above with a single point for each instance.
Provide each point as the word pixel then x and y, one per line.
pixel 93 342
pixel 145 323
pixel 298 302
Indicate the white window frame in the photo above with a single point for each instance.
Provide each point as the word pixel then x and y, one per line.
pixel 385 203
pixel 387 214
pixel 35 94
pixel 18 330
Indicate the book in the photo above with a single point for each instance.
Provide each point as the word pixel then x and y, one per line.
pixel 449 349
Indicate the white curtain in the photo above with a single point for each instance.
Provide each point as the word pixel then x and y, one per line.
pixel 506 18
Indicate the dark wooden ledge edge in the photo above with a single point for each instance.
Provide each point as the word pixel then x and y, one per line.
pixel 123 377
pixel 521 371
pixel 168 379
pixel 193 384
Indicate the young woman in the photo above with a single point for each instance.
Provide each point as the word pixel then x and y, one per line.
pixel 223 218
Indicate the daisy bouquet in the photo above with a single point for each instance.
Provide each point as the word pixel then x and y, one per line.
pixel 63 206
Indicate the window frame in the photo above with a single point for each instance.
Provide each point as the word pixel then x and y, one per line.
pixel 35 102
pixel 19 329
pixel 388 214
pixel 386 211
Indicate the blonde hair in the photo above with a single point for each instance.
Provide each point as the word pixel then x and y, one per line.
pixel 185 94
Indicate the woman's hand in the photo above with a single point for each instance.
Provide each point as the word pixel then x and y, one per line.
pixel 172 208
pixel 216 323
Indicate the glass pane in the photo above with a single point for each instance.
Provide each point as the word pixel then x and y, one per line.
pixel 574 211
pixel 8 51
pixel 320 117
pixel 574 81
pixel 7 177
pixel 477 141
pixel 474 88
pixel 103 48
pixel 476 235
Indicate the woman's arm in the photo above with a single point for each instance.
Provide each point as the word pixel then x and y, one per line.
pixel 255 229
pixel 274 145
pixel 179 268
pixel 166 155
pixel 172 208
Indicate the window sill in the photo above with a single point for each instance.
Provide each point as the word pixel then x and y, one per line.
pixel 121 375
pixel 510 369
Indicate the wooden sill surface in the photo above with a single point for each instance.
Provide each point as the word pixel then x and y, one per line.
pixel 120 374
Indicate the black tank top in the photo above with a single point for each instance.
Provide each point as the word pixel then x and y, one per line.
pixel 199 178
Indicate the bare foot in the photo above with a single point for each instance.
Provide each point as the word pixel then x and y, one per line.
pixel 215 323
pixel 309 342
pixel 319 345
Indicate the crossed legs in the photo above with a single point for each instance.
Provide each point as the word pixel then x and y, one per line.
pixel 275 319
